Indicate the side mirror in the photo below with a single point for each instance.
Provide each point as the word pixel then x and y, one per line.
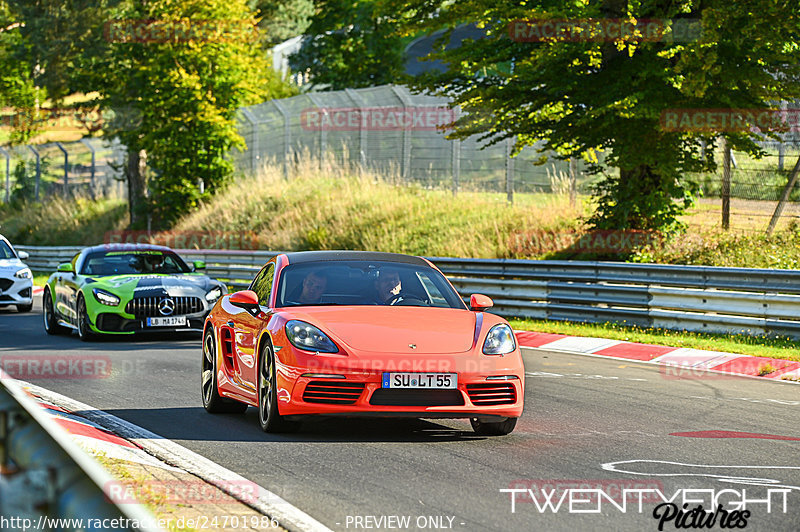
pixel 66 267
pixel 199 265
pixel 23 255
pixel 246 299
pixel 480 302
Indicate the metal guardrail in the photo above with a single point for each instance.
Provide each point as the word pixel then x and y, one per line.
pixel 695 298
pixel 46 481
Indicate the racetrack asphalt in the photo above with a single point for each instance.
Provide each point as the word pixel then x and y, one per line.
pixel 589 422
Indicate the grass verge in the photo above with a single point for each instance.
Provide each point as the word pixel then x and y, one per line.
pixel 760 346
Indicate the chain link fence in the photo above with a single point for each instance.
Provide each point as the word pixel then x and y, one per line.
pixel 91 167
pixel 390 130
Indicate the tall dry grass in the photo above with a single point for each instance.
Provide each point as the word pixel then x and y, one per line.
pixel 325 205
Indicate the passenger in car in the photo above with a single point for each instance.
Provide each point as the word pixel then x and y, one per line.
pixel 314 286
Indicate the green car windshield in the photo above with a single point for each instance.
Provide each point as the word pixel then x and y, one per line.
pixel 133 263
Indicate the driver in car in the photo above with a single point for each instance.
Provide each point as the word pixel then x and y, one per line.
pixel 387 286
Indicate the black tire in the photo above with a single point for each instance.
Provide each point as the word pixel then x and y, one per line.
pixel 269 417
pixel 85 333
pixel 51 325
pixel 493 428
pixel 212 401
pixel 25 308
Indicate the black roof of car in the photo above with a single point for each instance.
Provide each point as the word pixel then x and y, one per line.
pixel 297 257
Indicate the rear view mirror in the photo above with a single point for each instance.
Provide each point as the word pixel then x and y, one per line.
pixel 246 299
pixel 66 267
pixel 23 255
pixel 480 302
pixel 199 265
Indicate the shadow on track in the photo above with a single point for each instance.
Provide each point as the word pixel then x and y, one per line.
pixel 193 423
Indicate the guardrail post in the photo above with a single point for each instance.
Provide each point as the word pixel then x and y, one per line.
pixel 38 170
pixel 66 168
pixel 92 185
pixel 8 173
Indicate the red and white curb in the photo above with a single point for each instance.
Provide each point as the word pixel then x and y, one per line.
pixel 98 425
pixel 696 359
pixel 95 439
pixel 37 290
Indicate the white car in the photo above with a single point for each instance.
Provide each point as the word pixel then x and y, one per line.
pixel 16 279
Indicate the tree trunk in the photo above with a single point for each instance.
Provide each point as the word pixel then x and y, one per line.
pixel 137 186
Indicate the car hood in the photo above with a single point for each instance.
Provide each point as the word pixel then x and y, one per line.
pixel 11 265
pixel 393 329
pixel 130 286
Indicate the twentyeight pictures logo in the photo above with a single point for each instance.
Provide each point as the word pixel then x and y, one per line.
pixel 681 508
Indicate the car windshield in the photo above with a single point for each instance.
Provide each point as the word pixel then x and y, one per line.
pixel 5 251
pixel 365 283
pixel 133 262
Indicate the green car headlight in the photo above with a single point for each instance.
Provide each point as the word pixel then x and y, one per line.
pixel 106 298
pixel 214 294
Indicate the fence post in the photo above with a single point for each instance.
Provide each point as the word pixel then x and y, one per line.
pixel 509 170
pixel 726 184
pixel 8 173
pixel 362 133
pixel 254 145
pixel 66 168
pixel 92 184
pixel 573 180
pixel 38 170
pixel 287 136
pixel 323 133
pixel 406 158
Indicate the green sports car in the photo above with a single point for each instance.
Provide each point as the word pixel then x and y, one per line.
pixel 124 289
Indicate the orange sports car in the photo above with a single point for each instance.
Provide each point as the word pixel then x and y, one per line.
pixel 360 334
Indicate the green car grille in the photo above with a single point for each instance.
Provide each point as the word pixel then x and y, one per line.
pixel 150 307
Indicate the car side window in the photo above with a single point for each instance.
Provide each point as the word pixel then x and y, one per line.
pixel 262 285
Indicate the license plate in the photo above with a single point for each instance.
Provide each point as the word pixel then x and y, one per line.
pixel 171 321
pixel 445 381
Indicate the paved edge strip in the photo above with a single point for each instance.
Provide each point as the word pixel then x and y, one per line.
pixel 681 357
pixel 268 503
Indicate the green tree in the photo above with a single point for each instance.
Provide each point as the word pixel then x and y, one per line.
pixel 283 19
pixel 18 93
pixel 179 96
pixel 350 45
pixel 587 96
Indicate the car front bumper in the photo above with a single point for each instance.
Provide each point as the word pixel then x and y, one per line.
pixel 15 291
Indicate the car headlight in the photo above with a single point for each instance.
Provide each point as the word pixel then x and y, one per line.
pixel 106 298
pixel 214 294
pixel 24 273
pixel 499 341
pixel 305 336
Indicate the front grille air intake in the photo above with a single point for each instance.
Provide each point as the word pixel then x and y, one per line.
pixel 406 397
pixel 332 392
pixel 147 307
pixel 491 394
